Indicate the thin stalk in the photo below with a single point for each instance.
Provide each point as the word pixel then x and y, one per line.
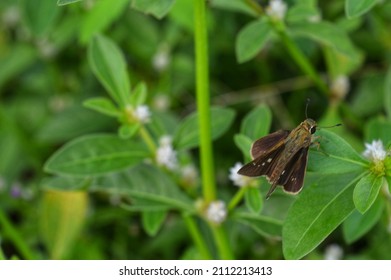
pixel 197 237
pixel 222 242
pixel 9 230
pixel 203 101
pixel 147 139
pixel 236 199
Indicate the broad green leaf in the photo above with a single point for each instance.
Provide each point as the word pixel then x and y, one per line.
pixel 366 191
pixel 326 33
pixel 356 8
pixel 62 217
pixel 139 94
pixel 158 8
pixel 233 5
pixel 253 199
pixel 108 64
pixel 303 11
pixel 95 155
pixel 71 123
pixel 334 155
pixel 378 129
pixel 15 60
pixel 103 13
pixel 319 209
pixel 65 2
pixel 187 134
pixel 387 93
pixel 357 224
pixel 256 123
pixel 152 221
pixel 244 144
pixel 33 12
pixel 251 39
pixel 146 183
pixel 64 183
pixel 263 225
pixel 102 105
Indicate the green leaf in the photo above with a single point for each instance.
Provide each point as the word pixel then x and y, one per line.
pixel 387 93
pixel 158 8
pixel 378 128
pixel 102 105
pixel 146 183
pixel 102 14
pixel 126 131
pixel 235 6
pixel 263 225
pixel 326 33
pixel 108 64
pixel 187 134
pixel 152 221
pixel 356 8
pixel 33 12
pixel 65 2
pixel 95 155
pixel 357 224
pixel 253 199
pixel 319 209
pixel 139 94
pixel 302 11
pixel 334 155
pixel 244 144
pixel 64 183
pixel 251 39
pixel 256 123
pixel 366 191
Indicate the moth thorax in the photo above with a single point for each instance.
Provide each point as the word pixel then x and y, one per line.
pixel 310 125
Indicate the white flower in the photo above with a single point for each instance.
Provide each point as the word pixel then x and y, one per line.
pixel 165 154
pixel 237 179
pixel 276 9
pixel 161 59
pixel 333 252
pixel 142 113
pixel 161 102
pixel 340 86
pixel 189 174
pixel 375 151
pixel 216 212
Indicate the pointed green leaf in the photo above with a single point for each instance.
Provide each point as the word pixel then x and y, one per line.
pixel 251 39
pixel 94 155
pixel 356 8
pixel 244 144
pixel 325 202
pixel 102 105
pixel 263 225
pixel 357 224
pixel 366 191
pixel 152 221
pixel 145 183
pixel 102 14
pixel 109 66
pixel 187 134
pixel 257 122
pixel 126 131
pixel 32 12
pixel 158 8
pixel 139 94
pixel 253 199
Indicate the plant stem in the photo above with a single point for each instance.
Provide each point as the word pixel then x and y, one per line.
pixel 9 231
pixel 147 139
pixel 203 100
pixel 221 238
pixel 236 199
pixel 197 236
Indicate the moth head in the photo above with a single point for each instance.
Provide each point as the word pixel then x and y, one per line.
pixel 310 125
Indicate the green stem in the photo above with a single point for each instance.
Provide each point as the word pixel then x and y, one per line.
pixel 236 199
pixel 222 242
pixel 147 139
pixel 197 236
pixel 203 101
pixel 9 231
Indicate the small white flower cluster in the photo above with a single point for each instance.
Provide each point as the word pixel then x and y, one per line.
pixel 142 113
pixel 166 155
pixel 216 212
pixel 340 86
pixel 333 252
pixel 237 179
pixel 276 9
pixel 161 60
pixel 375 151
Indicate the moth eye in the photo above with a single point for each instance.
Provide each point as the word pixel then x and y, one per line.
pixel 313 129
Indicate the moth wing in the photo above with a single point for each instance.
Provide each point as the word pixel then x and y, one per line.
pixel 263 145
pixel 264 164
pixel 293 178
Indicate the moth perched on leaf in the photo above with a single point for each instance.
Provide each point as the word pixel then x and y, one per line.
pixel 282 157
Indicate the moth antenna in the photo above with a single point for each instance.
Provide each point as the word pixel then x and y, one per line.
pixel 338 124
pixel 306 107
